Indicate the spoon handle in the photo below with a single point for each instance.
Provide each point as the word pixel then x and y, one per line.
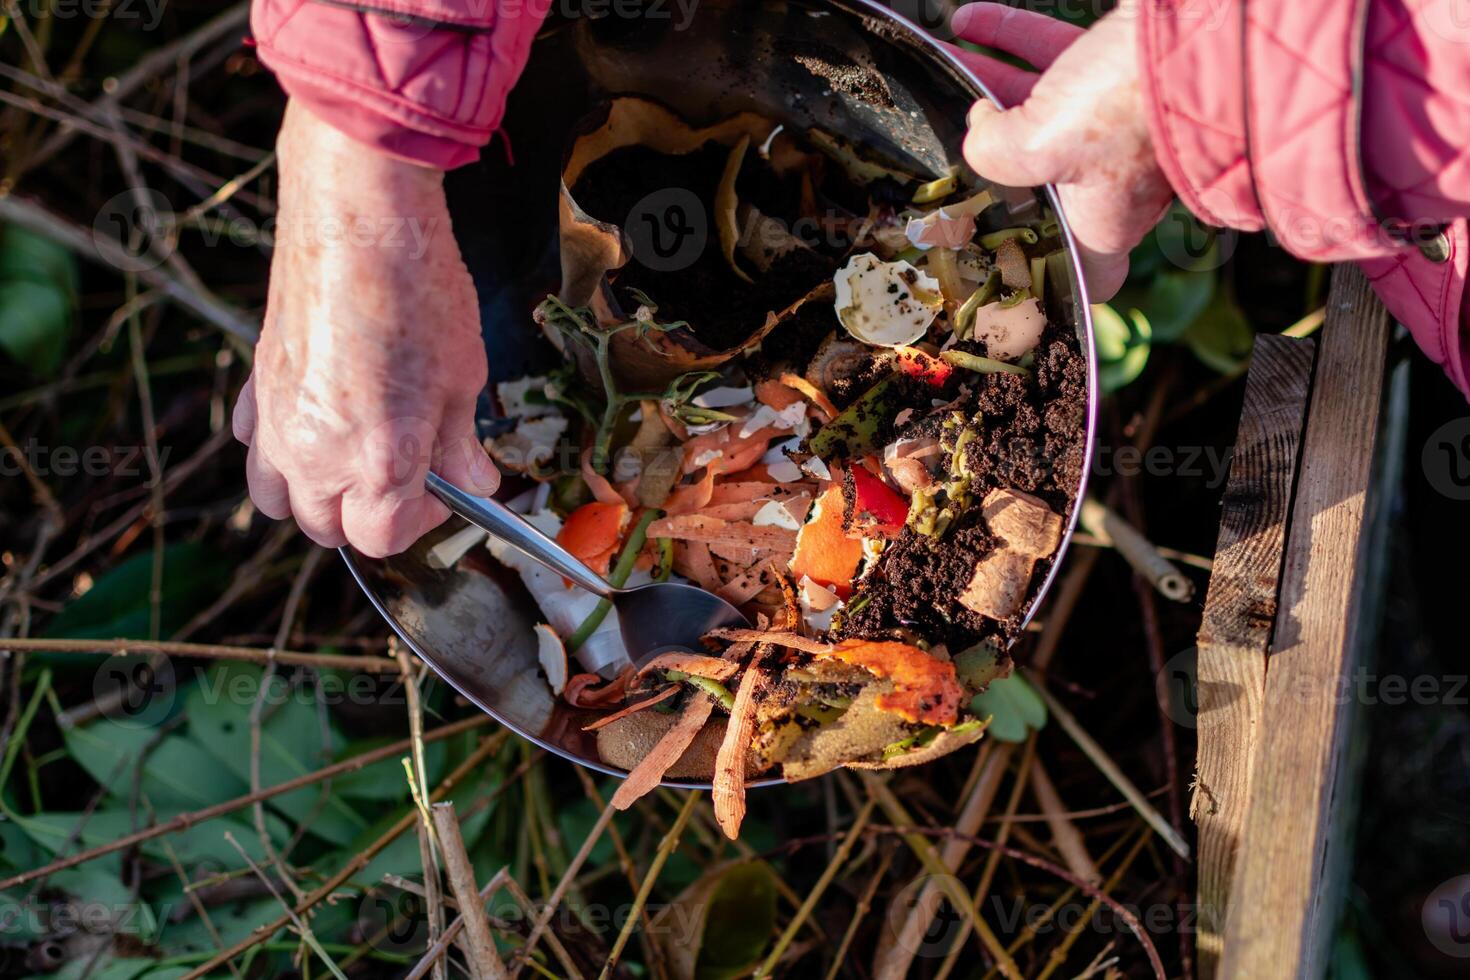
pixel 500 521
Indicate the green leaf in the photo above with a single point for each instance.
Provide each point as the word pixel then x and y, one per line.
pixel 384 780
pixel 36 258
pixel 720 925
pixel 35 319
pixel 1122 345
pixel 1222 338
pixel 176 773
pixel 290 744
pixel 118 603
pixel 979 665
pixel 38 286
pixel 233 921
pixel 202 842
pixel 16 849
pixel 1173 301
pixel 1012 706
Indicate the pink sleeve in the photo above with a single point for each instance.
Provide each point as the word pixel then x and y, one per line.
pixel 422 80
pixel 1338 126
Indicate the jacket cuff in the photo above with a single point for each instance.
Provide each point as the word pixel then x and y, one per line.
pixel 422 80
pixel 1190 56
pixel 367 120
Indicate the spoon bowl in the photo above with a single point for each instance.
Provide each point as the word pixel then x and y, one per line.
pixel 654 618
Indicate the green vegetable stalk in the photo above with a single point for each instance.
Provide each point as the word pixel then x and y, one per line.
pixel 617 578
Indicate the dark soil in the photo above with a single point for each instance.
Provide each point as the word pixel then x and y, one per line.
pixel 791 346
pixel 1030 438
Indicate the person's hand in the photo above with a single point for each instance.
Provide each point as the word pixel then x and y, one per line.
pixel 1080 124
pixel 370 359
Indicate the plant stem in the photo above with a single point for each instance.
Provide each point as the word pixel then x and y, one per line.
pixel 666 847
pixel 616 578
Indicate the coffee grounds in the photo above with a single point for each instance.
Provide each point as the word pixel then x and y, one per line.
pixel 1030 438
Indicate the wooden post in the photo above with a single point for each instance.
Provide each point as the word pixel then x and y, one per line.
pixel 1240 611
pixel 1278 921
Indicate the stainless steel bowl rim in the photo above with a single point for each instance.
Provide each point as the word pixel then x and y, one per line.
pixel 923 40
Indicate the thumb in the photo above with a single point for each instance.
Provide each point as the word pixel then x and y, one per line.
pixel 464 461
pixel 242 420
pixel 999 147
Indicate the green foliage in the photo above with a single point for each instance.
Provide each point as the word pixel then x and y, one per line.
pixel 1174 295
pixel 177 772
pixel 1221 337
pixel 119 602
pixel 291 744
pixel 38 295
pixel 1013 707
pixel 719 927
pixel 1123 345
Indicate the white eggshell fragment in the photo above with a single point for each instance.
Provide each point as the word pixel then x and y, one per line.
pixel 1009 331
pixel 887 304
pixel 940 229
pixel 552 654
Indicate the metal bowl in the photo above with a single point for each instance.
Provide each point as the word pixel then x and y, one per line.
pixel 851 67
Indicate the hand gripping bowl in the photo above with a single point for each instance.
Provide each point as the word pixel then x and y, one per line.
pixel 852 68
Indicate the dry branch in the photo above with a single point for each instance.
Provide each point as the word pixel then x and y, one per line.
pixel 485 962
pixel 203 651
pixel 469 765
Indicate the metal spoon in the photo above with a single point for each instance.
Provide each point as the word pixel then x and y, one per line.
pixel 654 618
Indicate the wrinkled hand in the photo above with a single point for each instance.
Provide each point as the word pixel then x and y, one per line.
pixel 370 360
pixel 1080 124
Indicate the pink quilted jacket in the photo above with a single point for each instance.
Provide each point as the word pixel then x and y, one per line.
pixel 1340 126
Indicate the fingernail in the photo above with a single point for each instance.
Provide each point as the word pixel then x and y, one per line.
pixel 979 112
pixel 483 471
